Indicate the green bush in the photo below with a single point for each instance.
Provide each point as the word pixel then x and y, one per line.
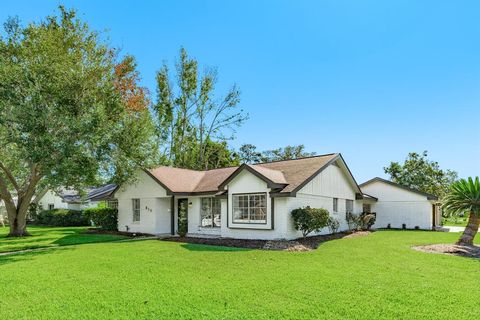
pixel 106 218
pixel 333 225
pixel 62 218
pixel 367 220
pixel 310 219
pixel 362 221
pixel 353 221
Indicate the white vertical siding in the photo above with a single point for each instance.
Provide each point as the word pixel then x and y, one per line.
pixel 397 206
pixel 319 193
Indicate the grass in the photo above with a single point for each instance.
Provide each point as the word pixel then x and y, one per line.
pixel 373 277
pixel 455 221
pixel 43 237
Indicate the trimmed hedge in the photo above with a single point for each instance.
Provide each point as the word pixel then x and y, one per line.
pixel 62 218
pixel 106 218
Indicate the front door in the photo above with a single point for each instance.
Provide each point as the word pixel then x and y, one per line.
pixel 182 217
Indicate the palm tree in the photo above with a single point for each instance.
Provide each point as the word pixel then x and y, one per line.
pixel 464 196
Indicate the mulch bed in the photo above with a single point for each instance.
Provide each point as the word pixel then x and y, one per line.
pixel 308 244
pixel 119 233
pixel 451 249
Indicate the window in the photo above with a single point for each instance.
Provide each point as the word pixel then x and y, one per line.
pixel 335 204
pixel 349 206
pixel 136 209
pixel 112 204
pixel 210 212
pixel 250 208
pixel 367 208
pixel 51 206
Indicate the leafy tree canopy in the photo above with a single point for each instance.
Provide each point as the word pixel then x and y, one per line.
pixel 71 113
pixel 191 119
pixel 248 153
pixel 419 173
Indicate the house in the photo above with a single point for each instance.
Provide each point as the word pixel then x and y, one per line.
pixel 397 206
pixel 245 202
pixel 72 200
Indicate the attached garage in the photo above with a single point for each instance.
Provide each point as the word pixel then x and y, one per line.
pixel 397 206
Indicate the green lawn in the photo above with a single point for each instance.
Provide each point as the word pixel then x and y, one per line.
pixel 371 277
pixel 457 222
pixel 50 237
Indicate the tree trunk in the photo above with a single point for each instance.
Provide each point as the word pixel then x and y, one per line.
pixel 18 223
pixel 470 231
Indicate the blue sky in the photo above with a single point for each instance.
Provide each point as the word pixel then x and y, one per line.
pixel 373 80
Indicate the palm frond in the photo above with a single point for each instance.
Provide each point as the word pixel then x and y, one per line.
pixel 464 196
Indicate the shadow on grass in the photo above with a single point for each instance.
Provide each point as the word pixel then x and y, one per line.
pixel 75 239
pixel 20 256
pixel 213 248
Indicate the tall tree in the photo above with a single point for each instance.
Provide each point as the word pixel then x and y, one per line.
pixel 70 114
pixel 419 173
pixel 287 153
pixel 248 154
pixel 464 197
pixel 190 117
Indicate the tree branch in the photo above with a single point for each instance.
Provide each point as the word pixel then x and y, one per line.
pixel 10 176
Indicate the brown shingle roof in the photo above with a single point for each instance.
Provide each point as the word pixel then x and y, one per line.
pixel 291 173
pixel 298 171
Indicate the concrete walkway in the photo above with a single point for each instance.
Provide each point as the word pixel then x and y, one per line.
pixel 450 229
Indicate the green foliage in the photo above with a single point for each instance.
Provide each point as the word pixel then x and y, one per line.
pixel 182 227
pixel 464 196
pixel 362 221
pixel 417 172
pixel 287 153
pixel 353 221
pixel 62 218
pixel 248 154
pixel 191 121
pixel 333 224
pixel 309 219
pixel 70 113
pixel 367 220
pixel 106 218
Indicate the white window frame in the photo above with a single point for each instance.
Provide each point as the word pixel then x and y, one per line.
pixel 335 205
pixel 136 210
pixel 51 206
pixel 249 208
pixel 210 212
pixel 347 201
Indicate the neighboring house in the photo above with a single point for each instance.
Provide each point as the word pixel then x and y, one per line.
pixel 245 202
pixel 396 205
pixel 72 200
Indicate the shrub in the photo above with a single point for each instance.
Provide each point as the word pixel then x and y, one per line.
pixel 62 218
pixel 309 219
pixel 182 227
pixel 106 218
pixel 367 220
pixel 333 225
pixel 353 221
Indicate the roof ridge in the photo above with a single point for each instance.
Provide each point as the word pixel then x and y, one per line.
pixel 309 157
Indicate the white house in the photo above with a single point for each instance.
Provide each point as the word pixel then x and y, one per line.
pixel 72 200
pixel 255 201
pixel 400 207
pixel 245 202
